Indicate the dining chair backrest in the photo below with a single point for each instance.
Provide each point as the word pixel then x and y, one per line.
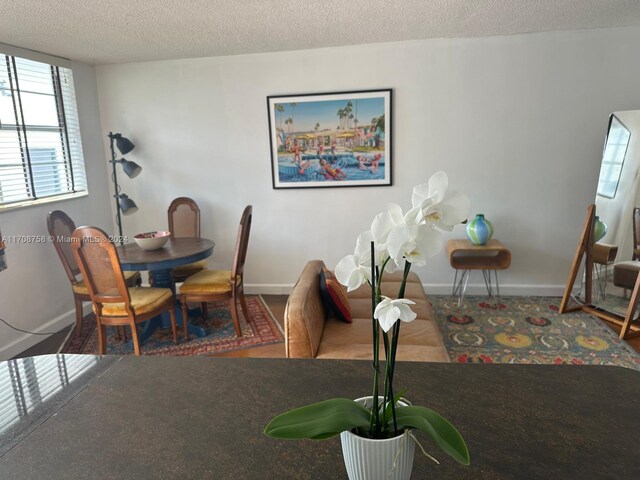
pixel 100 266
pixel 61 229
pixel 242 243
pixel 184 218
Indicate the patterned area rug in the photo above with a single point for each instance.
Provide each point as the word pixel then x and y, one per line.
pixel 527 330
pixel 221 337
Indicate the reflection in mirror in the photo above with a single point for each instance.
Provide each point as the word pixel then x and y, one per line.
pixel 615 149
pixel 615 267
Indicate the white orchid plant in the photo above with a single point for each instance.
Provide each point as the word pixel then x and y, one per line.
pixel 395 238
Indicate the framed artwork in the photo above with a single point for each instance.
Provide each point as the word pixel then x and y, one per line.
pixel 331 139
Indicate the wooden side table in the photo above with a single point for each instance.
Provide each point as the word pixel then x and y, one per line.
pixel 602 255
pixel 464 256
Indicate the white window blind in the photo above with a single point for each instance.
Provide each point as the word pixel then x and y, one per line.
pixel 40 146
pixel 27 384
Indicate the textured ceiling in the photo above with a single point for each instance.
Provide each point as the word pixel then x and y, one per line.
pixel 120 31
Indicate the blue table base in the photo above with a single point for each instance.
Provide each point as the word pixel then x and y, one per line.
pixel 164 279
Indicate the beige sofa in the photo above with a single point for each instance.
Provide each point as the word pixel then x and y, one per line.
pixel 310 333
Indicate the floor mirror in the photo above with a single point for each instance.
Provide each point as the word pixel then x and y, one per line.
pixel 604 279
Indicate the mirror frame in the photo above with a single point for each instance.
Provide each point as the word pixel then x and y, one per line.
pixel 629 327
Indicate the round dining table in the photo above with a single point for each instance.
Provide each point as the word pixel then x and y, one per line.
pixel 176 252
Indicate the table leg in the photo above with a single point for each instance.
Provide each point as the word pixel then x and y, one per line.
pixel 497 287
pixel 489 283
pixel 460 284
pixel 164 279
pixel 460 287
pixel 601 280
pixel 486 274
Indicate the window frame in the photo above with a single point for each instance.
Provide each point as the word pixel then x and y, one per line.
pixel 55 62
pixel 613 157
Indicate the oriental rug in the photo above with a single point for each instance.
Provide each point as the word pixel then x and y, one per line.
pixel 262 330
pixel 527 330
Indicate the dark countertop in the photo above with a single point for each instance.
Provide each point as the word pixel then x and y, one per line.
pixel 196 417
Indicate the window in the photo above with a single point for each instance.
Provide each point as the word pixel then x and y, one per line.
pixel 40 146
pixel 615 149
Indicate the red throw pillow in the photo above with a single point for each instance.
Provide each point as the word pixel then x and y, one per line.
pixel 334 296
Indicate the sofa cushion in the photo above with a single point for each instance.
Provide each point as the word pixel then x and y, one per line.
pixel 361 308
pixel 420 341
pixel 334 295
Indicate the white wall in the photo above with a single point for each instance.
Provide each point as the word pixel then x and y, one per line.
pixel 518 123
pixel 35 294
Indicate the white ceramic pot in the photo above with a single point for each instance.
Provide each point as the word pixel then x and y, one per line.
pixel 373 459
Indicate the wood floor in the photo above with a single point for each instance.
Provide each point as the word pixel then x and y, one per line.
pixel 633 342
pixel 275 302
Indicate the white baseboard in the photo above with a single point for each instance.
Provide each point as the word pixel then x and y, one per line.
pixel 27 340
pixel 518 290
pixel 278 289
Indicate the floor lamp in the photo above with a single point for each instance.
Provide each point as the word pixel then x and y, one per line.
pixel 124 205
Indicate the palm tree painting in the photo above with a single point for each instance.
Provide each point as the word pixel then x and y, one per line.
pixel 346 151
pixel 280 109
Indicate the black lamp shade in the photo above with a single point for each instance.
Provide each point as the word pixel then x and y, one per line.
pixel 124 144
pixel 127 205
pixel 132 169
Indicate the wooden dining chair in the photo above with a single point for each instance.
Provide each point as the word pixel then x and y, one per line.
pixel 184 221
pixel 61 229
pixel 114 303
pixel 214 285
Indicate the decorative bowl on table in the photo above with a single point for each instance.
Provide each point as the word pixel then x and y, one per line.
pixel 152 240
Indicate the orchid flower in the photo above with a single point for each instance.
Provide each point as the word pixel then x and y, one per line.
pixel 385 222
pixel 414 243
pixel 382 225
pixel 435 204
pixel 388 312
pixel 354 270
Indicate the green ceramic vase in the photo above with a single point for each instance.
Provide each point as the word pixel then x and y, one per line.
pixel 599 229
pixel 479 230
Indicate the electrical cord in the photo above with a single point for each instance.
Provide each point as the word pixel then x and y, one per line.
pixel 25 331
pixel 62 345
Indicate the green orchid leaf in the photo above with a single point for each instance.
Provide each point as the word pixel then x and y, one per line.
pixel 387 408
pixel 324 436
pixel 319 420
pixel 437 427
